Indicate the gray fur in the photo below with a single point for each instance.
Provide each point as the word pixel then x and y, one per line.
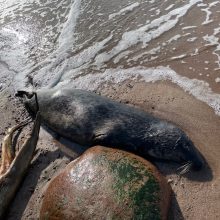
pixel 89 119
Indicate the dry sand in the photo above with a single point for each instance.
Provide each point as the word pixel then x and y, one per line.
pixel 196 195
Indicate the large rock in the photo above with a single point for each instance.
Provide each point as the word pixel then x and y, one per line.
pixel 106 183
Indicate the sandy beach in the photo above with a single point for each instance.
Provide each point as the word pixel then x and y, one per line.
pixel 196 195
pixel 159 56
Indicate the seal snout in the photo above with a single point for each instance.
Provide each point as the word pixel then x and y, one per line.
pixel 189 154
pixel 198 164
pixel 195 158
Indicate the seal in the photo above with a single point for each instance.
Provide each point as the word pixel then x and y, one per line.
pixel 90 119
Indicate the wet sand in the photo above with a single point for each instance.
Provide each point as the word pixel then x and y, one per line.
pixel 196 195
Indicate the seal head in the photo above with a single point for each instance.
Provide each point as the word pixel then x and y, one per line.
pixel 168 142
pixel 188 153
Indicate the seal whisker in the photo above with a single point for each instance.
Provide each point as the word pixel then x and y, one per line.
pixel 177 141
pixel 185 168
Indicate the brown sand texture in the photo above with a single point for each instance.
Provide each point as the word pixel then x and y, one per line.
pixel 196 195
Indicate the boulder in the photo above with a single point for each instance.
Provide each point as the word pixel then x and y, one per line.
pixel 106 183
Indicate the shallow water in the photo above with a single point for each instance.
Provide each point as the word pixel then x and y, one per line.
pixel 89 43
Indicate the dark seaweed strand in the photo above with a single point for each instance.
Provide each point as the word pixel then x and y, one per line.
pixel 145 201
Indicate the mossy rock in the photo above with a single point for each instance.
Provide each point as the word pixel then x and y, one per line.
pixel 107 183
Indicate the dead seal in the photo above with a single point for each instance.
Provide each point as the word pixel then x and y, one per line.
pixel 89 119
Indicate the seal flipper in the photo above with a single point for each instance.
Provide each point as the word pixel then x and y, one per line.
pixel 29 96
pixel 21 93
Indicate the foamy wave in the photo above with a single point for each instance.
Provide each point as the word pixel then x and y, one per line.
pixel 207 10
pixel 146 33
pixel 74 58
pixel 125 10
pixel 60 63
pixel 214 40
pixel 197 88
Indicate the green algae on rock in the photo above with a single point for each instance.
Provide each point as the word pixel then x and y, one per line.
pixel 107 183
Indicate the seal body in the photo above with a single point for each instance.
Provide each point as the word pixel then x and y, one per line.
pixel 89 119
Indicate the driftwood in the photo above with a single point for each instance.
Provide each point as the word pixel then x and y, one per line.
pixel 13 168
